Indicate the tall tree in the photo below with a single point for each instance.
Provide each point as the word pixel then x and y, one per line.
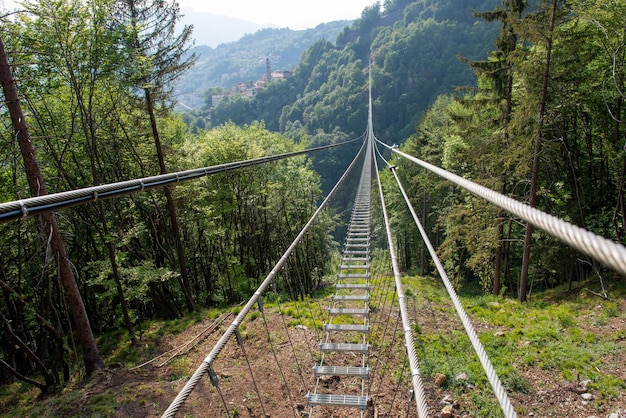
pixel 499 69
pixel 91 355
pixel 158 57
pixel 549 38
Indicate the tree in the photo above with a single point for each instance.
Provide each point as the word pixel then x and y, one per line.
pixel 91 355
pixel 549 38
pixel 499 70
pixel 157 58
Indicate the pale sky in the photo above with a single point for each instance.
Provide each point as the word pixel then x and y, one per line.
pixel 295 14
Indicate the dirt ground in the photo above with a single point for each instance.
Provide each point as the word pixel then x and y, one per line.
pixel 281 366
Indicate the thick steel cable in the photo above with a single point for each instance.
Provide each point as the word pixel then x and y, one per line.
pixel 608 252
pixel 219 346
pixel 418 385
pixel 55 201
pixel 499 390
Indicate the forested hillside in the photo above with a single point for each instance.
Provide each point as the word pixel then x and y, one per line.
pixel 94 79
pixel 244 60
pixel 526 99
pixel 414 48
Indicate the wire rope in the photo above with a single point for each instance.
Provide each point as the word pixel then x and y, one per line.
pixel 256 387
pixel 280 369
pixel 604 250
pixel 492 376
pixel 416 379
pixel 219 346
pixel 50 202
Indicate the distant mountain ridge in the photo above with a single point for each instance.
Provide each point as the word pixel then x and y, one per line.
pixel 212 30
pixel 245 60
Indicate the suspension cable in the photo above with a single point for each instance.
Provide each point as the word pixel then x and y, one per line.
pixel 604 250
pixel 219 346
pixel 499 390
pixel 36 205
pixel 418 386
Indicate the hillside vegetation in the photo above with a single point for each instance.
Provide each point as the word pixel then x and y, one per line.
pixel 541 351
pixel 538 115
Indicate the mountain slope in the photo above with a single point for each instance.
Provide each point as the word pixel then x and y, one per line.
pixel 244 60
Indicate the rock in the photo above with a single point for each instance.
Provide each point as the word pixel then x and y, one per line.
pixel 440 379
pixel 301 327
pixel 580 387
pixel 499 334
pixel 447 400
pixel 456 404
pixel 446 412
pixel 587 396
pixel 461 377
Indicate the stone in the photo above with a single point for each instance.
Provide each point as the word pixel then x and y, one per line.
pixel 446 412
pixel 440 379
pixel 587 396
pixel 461 377
pixel 447 400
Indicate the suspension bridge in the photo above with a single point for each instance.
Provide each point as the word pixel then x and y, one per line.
pixel 344 373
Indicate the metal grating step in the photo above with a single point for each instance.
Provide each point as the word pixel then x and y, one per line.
pixel 349 311
pixel 357 245
pixel 347 259
pixel 346 327
pixel 351 401
pixel 362 372
pixel 344 347
pixel 356 252
pixel 354 267
pixel 363 298
pixel 354 276
pixel 353 286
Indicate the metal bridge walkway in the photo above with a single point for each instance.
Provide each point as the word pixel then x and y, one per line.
pixel 345 350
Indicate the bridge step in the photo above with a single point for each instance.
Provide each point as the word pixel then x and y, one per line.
pixel 346 327
pixel 356 252
pixel 352 401
pixel 349 311
pixel 354 276
pixel 363 298
pixel 355 259
pixel 362 372
pixel 357 245
pixel 354 267
pixel 344 347
pixel 353 286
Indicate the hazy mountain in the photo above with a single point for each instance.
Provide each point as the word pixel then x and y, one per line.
pixel 211 29
pixel 245 60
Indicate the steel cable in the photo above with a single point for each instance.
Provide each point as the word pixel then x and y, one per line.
pixel 608 252
pixel 36 205
pixel 416 379
pixel 492 376
pixel 219 346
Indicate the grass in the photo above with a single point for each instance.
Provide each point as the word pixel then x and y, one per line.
pixel 559 336
pixel 565 335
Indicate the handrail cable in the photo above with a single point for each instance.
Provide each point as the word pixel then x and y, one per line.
pixel 492 376
pixel 36 205
pixel 219 346
pixel 418 385
pixel 610 253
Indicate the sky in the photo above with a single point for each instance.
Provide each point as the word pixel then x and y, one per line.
pixel 295 14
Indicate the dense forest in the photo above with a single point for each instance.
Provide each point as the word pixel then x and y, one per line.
pixel 526 99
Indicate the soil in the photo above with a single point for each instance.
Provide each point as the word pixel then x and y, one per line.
pixel 276 363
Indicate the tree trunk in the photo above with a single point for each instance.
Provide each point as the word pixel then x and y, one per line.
pixel 91 355
pixel 171 207
pixel 535 168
